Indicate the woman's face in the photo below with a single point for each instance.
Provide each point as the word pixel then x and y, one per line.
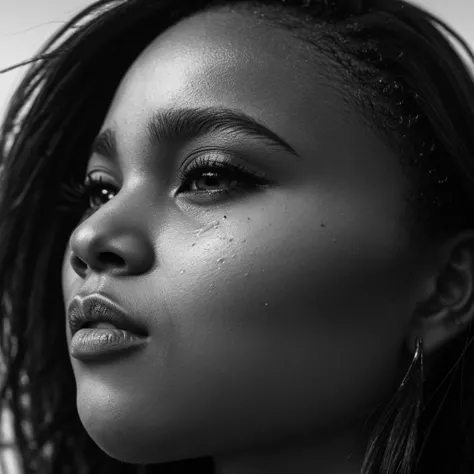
pixel 274 312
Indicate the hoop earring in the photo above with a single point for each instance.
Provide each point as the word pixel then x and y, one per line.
pixel 416 370
pixel 393 443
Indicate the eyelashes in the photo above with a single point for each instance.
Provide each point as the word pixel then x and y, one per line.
pixel 222 167
pixel 85 198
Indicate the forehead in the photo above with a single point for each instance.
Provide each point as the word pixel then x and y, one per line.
pixel 225 58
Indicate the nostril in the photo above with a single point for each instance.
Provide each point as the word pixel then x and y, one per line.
pixel 77 263
pixel 113 258
pixel 102 260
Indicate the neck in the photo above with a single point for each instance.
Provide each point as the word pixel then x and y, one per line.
pixel 341 454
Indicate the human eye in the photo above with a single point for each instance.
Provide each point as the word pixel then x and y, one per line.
pixel 206 178
pixel 218 178
pixel 96 189
pixel 86 197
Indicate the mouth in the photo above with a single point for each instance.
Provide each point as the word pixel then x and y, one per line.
pixel 96 311
pixel 100 327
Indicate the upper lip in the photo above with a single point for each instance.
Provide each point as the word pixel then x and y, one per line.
pixel 97 308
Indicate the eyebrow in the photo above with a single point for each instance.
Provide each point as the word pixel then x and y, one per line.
pixel 185 123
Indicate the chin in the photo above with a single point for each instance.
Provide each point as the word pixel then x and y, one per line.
pixel 130 439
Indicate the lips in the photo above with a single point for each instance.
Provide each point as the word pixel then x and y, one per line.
pixel 96 308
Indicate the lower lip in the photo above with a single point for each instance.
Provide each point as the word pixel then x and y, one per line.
pixel 92 344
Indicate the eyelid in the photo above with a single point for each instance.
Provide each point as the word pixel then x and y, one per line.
pixel 223 156
pixel 218 160
pixel 97 171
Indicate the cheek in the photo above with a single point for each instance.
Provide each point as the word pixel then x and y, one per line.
pixel 297 269
pixel 301 317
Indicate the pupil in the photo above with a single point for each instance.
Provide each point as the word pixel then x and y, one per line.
pixel 210 179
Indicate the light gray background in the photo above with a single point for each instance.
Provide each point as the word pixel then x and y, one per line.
pixel 26 24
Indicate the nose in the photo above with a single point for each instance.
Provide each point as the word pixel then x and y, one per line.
pixel 111 244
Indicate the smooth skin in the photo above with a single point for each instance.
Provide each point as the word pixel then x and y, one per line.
pixel 275 332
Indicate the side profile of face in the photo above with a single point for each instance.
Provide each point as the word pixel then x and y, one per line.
pixel 275 314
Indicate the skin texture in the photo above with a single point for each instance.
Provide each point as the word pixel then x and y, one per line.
pixel 274 333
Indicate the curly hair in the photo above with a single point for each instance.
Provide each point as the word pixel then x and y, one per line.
pixel 396 66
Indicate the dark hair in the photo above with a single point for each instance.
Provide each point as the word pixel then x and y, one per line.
pixel 395 66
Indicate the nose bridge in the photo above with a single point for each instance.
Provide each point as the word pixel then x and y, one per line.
pixel 117 237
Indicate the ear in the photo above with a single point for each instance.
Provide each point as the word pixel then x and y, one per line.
pixel 448 309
